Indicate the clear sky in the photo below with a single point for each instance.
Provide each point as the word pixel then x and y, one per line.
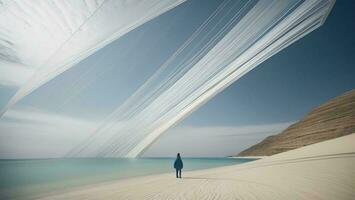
pixel 277 93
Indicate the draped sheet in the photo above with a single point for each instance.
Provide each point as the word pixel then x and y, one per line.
pixel 201 68
pixel 41 39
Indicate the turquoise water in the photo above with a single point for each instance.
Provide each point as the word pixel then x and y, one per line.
pixel 25 179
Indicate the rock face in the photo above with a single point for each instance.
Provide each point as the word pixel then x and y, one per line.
pixel 332 119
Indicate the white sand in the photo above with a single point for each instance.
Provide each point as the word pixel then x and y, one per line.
pixel 249 157
pixel 321 171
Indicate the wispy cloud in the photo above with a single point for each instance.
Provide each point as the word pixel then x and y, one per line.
pixel 13 74
pixel 212 140
pixel 28 132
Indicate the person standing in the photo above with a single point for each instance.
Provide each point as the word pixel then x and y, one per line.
pixel 178 165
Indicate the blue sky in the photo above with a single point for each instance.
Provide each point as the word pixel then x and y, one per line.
pixel 122 66
pixel 284 88
pixel 263 102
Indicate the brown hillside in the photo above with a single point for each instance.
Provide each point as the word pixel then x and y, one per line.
pixel 332 119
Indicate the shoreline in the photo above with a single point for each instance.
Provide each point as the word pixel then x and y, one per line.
pixel 331 161
pixel 57 175
pixel 248 157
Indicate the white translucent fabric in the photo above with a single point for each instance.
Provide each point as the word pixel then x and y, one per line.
pixel 42 39
pixel 201 68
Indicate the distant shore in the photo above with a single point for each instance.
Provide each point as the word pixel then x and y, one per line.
pixel 324 170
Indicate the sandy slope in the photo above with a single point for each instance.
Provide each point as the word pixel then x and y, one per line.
pixel 332 119
pixel 324 170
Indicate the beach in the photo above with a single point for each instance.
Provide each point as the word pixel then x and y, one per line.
pixel 29 178
pixel 325 170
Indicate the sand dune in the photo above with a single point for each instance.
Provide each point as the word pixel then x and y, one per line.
pixel 324 170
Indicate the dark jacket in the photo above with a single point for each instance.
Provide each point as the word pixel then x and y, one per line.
pixel 178 163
